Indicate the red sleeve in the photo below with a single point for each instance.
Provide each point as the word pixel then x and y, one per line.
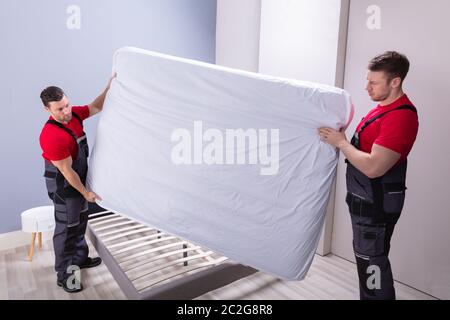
pixel 54 148
pixel 81 111
pixel 398 132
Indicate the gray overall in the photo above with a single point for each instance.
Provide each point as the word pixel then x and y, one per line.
pixel 68 240
pixel 375 206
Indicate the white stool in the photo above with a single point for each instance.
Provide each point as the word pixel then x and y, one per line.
pixel 37 220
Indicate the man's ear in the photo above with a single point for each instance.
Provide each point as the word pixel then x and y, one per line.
pixel 396 82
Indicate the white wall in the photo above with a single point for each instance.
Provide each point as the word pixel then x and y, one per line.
pixel 299 39
pixel 420 253
pixel 237 34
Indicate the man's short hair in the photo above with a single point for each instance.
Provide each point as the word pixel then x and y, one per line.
pixel 394 64
pixel 51 94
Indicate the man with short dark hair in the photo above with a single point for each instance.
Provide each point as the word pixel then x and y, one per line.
pixel 65 151
pixel 376 171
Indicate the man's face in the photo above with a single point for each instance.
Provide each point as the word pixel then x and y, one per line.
pixel 378 85
pixel 60 110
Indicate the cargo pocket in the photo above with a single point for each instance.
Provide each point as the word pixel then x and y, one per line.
pixel 60 209
pixel 74 206
pixel 359 206
pixel 393 197
pixel 369 239
pixel 50 181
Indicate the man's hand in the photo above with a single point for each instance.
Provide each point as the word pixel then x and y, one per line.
pixel 91 196
pixel 373 165
pixel 97 105
pixel 332 137
pixel 110 80
pixel 65 167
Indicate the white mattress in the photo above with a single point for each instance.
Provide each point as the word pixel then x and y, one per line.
pixel 261 212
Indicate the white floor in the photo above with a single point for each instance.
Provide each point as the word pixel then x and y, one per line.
pixel 330 277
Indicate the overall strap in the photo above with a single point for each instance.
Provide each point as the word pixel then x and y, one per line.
pixel 368 122
pixel 56 123
pixel 78 118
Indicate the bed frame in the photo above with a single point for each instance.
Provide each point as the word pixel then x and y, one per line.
pixel 150 264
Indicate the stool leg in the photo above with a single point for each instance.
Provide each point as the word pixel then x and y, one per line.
pixel 40 240
pixel 31 252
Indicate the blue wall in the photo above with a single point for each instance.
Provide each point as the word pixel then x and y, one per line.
pixel 38 49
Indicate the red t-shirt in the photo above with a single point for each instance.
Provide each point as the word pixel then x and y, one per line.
pixel 56 143
pixel 396 130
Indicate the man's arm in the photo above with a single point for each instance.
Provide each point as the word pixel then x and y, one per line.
pixel 65 167
pixel 373 165
pixel 97 105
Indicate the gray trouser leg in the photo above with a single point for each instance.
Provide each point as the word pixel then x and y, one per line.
pixel 371 244
pixel 68 240
pixel 82 249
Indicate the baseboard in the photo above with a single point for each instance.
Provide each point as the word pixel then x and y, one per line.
pixel 19 238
